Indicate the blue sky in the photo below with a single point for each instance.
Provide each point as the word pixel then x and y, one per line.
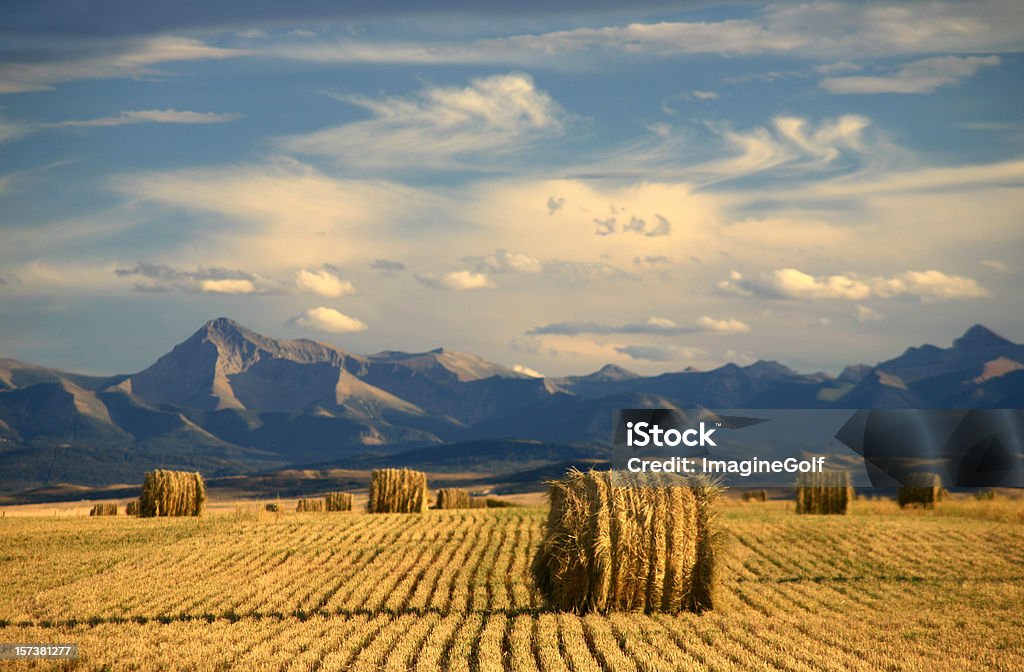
pixel 659 187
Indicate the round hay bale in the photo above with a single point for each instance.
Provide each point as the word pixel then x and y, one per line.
pixel 620 542
pixel 172 493
pixel 105 509
pixel 397 491
pixel 309 505
pixel 338 501
pixel 453 498
pixel 825 492
pixel 921 489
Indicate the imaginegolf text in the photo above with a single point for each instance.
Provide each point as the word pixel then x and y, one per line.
pixel 690 465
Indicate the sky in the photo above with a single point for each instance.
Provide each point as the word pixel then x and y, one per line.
pixel 653 185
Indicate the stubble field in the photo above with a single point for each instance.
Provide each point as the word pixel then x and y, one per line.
pixel 879 589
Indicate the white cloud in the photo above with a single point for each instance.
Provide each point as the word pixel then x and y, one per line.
pixel 705 95
pixel 727 326
pixel 152 116
pixel 286 214
pixel 328 320
pixel 865 314
pixel 930 286
pixel 128 60
pixel 923 76
pixel 791 283
pixel 506 261
pixel 440 126
pixel 230 286
pixel 323 283
pixel 457 281
pixel 527 371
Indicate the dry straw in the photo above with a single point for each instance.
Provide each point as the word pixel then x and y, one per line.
pixel 309 505
pixel 109 509
pixel 826 492
pixel 922 489
pixel 618 542
pixel 455 498
pixel 755 496
pixel 172 493
pixel 398 491
pixel 132 508
pixel 338 501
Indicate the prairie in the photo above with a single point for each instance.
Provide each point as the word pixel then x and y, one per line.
pixel 878 589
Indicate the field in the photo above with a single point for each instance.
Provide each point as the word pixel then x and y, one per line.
pixel 879 589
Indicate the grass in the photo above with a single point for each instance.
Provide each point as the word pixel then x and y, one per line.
pixel 878 589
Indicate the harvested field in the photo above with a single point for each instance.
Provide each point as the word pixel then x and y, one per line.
pixel 878 589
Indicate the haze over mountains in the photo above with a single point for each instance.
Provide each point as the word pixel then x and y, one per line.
pixel 229 400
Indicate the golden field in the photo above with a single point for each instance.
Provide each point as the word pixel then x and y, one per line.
pixel 878 589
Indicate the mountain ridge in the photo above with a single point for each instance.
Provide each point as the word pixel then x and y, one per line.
pixel 230 400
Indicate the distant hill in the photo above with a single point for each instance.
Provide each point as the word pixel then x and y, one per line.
pixel 228 400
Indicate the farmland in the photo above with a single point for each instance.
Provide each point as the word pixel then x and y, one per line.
pixel 879 588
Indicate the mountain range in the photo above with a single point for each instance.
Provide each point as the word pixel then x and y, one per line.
pixel 228 400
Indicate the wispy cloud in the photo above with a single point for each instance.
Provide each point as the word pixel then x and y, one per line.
pixel 439 127
pixel 128 59
pixel 150 116
pixel 815 29
pixel 791 283
pixel 159 277
pixel 13 130
pixel 654 326
pixel 923 76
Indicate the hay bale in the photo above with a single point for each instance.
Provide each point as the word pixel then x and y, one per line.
pixel 172 493
pixel 755 496
pixel 398 491
pixel 272 507
pixel 826 492
pixel 454 498
pixel 108 509
pixel 338 501
pixel 622 542
pixel 921 489
pixel 132 508
pixel 309 505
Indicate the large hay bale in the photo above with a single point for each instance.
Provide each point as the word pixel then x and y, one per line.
pixel 755 496
pixel 398 491
pixel 338 501
pixel 107 509
pixel 309 505
pixel 454 498
pixel 272 507
pixel 172 493
pixel 132 508
pixel 921 489
pixel 623 542
pixel 825 492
